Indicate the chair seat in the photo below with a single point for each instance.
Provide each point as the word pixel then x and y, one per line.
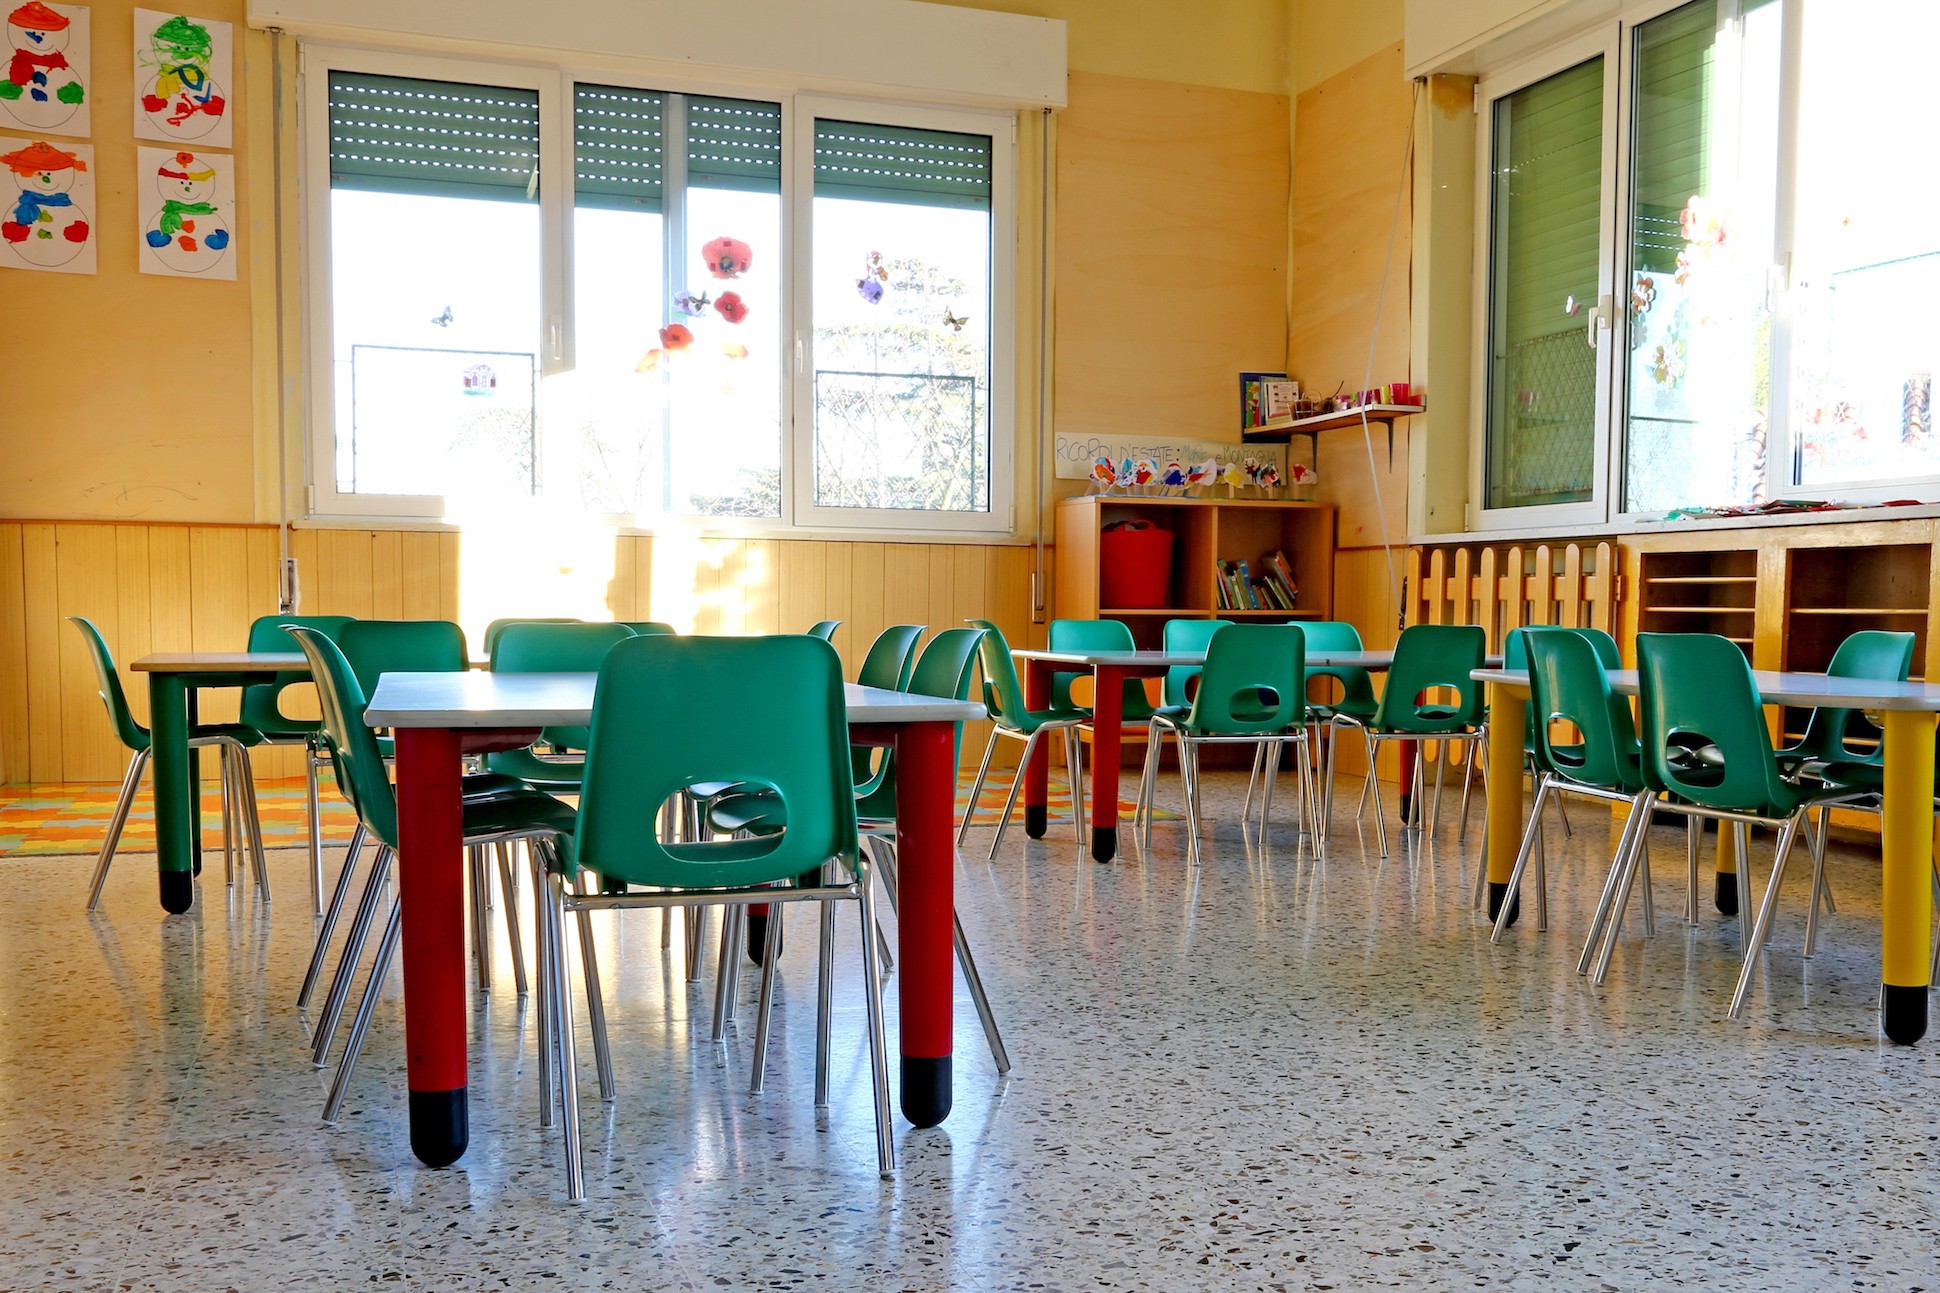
pixel 759 812
pixel 236 732
pixel 522 812
pixel 545 774
pixel 485 785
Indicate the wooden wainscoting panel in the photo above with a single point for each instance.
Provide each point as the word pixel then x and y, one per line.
pixel 14 741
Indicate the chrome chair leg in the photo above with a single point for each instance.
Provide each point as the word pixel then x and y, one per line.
pixel 1468 775
pixel 313 807
pixel 696 917
pixel 1253 783
pixel 546 924
pixel 360 1022
pixel 1818 880
pixel 1189 776
pixel 824 993
pixel 727 970
pixel 1016 784
pixel 1693 841
pixel 479 882
pixel 1531 834
pixel 976 788
pixel 116 824
pixel 1742 833
pixel 562 1023
pixel 596 995
pixel 1373 785
pixel 509 886
pixel 330 914
pixel 1612 929
pixel 353 952
pixel 1763 928
pixel 878 1045
pixel 246 789
pixel 771 954
pixel 1272 771
pixel 1637 819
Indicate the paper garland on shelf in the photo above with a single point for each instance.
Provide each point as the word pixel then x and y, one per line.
pixel 45 89
pixel 183 79
pixel 188 204
pixel 47 222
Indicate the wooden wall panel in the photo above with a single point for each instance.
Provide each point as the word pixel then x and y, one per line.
pixel 176 587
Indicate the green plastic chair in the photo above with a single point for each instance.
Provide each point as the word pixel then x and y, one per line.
pixel 648 628
pixel 260 709
pixel 366 783
pixel 1569 683
pixel 1095 635
pixel 1251 691
pixel 887 665
pixel 824 629
pixel 499 626
pixel 240 827
pixel 1357 699
pixel 1697 693
pixel 1003 696
pixel 654 685
pixel 1175 694
pixel 1427 657
pixel 551 646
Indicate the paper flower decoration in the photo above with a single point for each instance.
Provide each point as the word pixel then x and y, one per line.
pixel 731 307
pixel 869 290
pixel 689 303
pixel 675 336
pixel 727 257
pixel 874 275
pixel 650 360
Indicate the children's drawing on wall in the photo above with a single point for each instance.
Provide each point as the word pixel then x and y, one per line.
pixel 48 219
pixel 182 79
pixel 187 212
pixel 46 86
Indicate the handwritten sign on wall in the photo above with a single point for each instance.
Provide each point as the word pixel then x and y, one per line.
pixel 1074 454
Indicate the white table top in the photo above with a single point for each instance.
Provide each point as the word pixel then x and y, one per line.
pixel 522 700
pixel 1156 659
pixel 1778 688
pixel 222 662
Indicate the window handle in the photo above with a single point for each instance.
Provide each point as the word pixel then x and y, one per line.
pixel 1599 319
pixel 553 338
pixel 798 354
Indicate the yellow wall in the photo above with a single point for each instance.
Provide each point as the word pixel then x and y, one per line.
pixel 1231 44
pixel 131 394
pixel 1330 36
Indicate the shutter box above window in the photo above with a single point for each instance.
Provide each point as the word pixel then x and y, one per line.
pixel 396 134
pixel 900 164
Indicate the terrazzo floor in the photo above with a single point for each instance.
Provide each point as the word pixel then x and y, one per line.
pixel 1268 1073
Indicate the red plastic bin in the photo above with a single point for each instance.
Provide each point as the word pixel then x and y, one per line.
pixel 1134 566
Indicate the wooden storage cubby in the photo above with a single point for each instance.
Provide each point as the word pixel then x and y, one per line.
pixel 1204 531
pixel 1699 592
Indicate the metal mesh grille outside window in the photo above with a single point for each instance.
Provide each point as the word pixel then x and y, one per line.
pixel 900 164
pixel 395 134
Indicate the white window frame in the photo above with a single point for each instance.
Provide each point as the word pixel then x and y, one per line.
pixel 552 337
pixel 554 84
pixel 799 459
pixel 1597 318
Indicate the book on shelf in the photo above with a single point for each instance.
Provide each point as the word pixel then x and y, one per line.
pixel 1252 601
pixel 1252 397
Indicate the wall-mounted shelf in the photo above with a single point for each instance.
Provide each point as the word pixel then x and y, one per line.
pixel 1282 430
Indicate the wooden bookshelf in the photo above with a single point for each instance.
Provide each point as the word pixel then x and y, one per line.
pixel 1204 531
pixel 1700 592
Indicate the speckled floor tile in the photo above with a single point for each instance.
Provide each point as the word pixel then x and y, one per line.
pixel 1268 1073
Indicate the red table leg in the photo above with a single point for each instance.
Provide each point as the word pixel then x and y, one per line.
pixel 925 911
pixel 1107 715
pixel 431 885
pixel 1037 777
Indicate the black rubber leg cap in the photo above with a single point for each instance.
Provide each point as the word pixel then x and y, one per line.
pixel 1036 821
pixel 1497 892
pixel 1104 843
pixel 1902 1013
pixel 178 892
pixel 926 1090
pixel 440 1126
pixel 1727 898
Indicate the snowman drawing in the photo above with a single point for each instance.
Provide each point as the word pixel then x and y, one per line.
pixel 43 226
pixel 41 89
pixel 187 234
pixel 182 99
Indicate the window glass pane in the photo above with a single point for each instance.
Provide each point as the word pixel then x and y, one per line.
pixel 1703 179
pixel 1866 256
pixel 902 318
pixel 434 286
pixel 1546 186
pixel 674 406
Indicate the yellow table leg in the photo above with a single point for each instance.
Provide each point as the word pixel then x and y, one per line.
pixel 1906 901
pixel 1507 732
pixel 1728 895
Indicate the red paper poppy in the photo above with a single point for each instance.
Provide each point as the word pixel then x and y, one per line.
pixel 675 336
pixel 731 307
pixel 727 257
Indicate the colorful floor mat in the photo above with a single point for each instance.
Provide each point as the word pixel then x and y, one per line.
pixel 72 817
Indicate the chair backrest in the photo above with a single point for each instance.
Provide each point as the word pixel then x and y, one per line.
pixel 1697 691
pixel 890 658
pixel 557 646
pixel 1088 635
pixel 359 763
pixel 647 628
pixel 498 626
pixel 127 730
pixel 1254 681
pixel 1426 657
pixel 1003 691
pixel 1357 685
pixel 377 647
pixel 699 687
pixel 1186 635
pixel 1868 653
pixel 260 706
pixel 944 669
pixel 1568 683
pixel 824 629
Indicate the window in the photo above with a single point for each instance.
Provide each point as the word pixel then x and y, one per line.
pixel 1760 331
pixel 688 320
